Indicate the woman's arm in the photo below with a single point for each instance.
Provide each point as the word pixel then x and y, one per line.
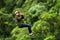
pixel 22 16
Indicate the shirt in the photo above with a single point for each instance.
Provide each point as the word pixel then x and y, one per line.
pixel 19 19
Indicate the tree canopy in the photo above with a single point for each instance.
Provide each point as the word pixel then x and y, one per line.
pixel 43 15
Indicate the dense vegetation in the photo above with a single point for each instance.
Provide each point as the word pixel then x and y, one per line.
pixel 43 15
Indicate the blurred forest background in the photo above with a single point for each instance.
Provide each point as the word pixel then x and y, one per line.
pixel 43 15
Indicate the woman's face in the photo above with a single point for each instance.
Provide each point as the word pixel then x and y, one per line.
pixel 17 14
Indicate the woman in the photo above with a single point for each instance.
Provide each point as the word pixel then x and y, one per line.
pixel 20 22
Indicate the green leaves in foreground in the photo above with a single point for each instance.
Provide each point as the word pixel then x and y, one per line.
pixel 20 34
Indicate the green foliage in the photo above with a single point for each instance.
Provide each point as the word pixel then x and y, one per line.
pixel 6 25
pixel 35 11
pixel 2 3
pixel 19 3
pixel 9 5
pixel 20 34
pixel 50 38
pixel 43 15
pixel 41 28
pixel 48 16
